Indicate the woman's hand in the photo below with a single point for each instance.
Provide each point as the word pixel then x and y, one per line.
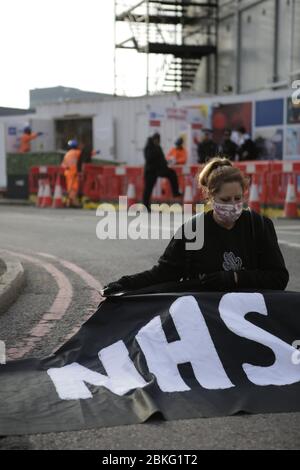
pixel 218 281
pixel 112 289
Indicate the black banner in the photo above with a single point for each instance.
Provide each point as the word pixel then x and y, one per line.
pixel 179 355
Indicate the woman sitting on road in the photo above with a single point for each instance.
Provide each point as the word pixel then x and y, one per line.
pixel 240 249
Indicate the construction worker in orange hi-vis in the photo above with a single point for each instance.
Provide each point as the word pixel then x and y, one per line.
pixel 26 138
pixel 70 163
pixel 178 154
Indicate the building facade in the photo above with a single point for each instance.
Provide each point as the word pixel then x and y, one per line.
pixel 258 47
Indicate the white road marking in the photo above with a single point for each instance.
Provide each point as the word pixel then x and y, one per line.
pixel 288 228
pixel 289 244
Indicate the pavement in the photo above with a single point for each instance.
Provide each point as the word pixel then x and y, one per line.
pixel 12 280
pixel 15 202
pixel 2 267
pixel 65 262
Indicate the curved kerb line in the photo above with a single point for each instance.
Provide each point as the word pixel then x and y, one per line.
pixel 93 283
pixel 56 312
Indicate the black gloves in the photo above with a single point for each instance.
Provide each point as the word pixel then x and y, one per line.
pixel 218 281
pixel 112 289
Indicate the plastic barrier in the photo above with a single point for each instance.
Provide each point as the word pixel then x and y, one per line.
pixel 261 170
pixel 135 175
pixel 162 191
pixel 186 175
pixel 37 173
pixel 278 178
pixel 92 182
pixel 108 182
pixel 113 183
pixel 198 193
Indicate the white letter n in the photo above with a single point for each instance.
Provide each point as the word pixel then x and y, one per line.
pixel 70 380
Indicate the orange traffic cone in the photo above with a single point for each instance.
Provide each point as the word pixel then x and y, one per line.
pixel 58 197
pixel 131 194
pixel 47 198
pixel 290 206
pixel 254 202
pixel 40 193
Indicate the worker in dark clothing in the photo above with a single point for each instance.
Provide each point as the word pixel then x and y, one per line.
pixel 156 165
pixel 87 153
pixel 206 149
pixel 240 249
pixel 247 148
pixel 228 148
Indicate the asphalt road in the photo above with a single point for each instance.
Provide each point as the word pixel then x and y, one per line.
pixel 61 252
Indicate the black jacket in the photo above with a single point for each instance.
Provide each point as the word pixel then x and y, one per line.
pixel 248 150
pixel 85 157
pixel 256 257
pixel 229 149
pixel 206 150
pixel 154 157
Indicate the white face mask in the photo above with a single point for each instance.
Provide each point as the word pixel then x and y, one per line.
pixel 228 213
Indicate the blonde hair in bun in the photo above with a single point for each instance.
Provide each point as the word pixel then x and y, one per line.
pixel 217 171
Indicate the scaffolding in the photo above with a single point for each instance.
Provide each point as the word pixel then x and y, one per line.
pixel 178 33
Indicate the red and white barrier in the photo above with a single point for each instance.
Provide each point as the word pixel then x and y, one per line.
pixel 270 183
